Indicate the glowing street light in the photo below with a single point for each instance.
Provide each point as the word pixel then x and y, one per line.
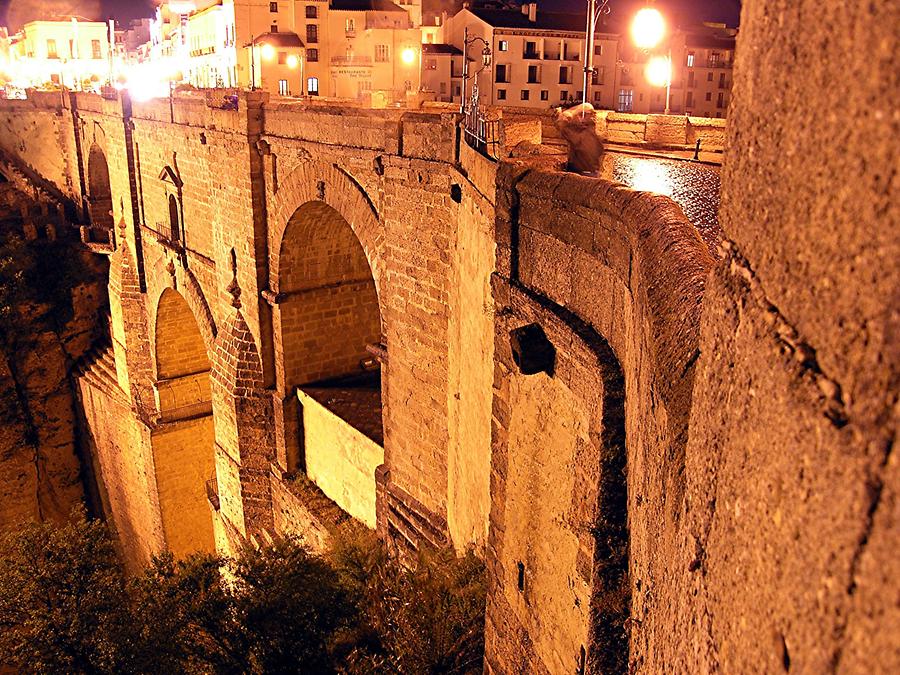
pixel 267 51
pixel 648 28
pixel 659 71
pixel 293 61
pixel 408 55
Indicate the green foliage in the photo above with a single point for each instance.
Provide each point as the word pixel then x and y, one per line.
pixel 425 618
pixel 66 606
pixel 63 602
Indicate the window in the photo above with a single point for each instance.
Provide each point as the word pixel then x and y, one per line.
pixel 283 88
pixel 690 78
pixel 598 50
pixel 709 77
pixel 626 100
pixel 709 96
pixel 51 49
pixel 312 86
pixel 563 94
pixel 720 102
pixel 72 49
pixel 381 54
pixel 95 49
pixel 502 73
pixel 444 87
pixel 545 95
pixel 524 94
pixel 597 96
pixel 599 75
pixel 430 64
pixel 503 46
pixel 534 75
pixel 312 33
pixel 690 99
pixel 174 222
pixel 690 60
pixel 530 50
pixel 282 58
pixel 565 75
pixel 312 55
pixel 350 26
pixel 273 7
pixel 501 94
pixel 715 59
pixel 273 28
pixel 312 12
pixel 456 90
pixel 721 80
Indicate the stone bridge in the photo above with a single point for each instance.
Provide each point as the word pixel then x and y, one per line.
pixel 310 300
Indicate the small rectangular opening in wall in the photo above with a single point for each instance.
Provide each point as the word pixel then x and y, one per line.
pixel 521 576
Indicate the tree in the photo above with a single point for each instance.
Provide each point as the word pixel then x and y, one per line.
pixel 63 600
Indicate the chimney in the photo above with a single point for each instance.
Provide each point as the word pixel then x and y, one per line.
pixel 532 11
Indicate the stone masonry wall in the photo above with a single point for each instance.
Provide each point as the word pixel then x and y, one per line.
pixel 794 485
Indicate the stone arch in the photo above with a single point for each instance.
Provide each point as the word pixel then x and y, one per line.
pixel 314 181
pixel 168 273
pixel 100 199
pixel 183 440
pixel 328 323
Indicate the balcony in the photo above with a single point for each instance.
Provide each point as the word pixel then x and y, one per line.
pixel 719 63
pixel 531 55
pixel 552 56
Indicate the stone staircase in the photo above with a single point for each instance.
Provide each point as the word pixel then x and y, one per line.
pixel 98 368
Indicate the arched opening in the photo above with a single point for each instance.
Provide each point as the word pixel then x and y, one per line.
pixel 184 441
pixel 174 220
pixel 329 315
pixel 100 203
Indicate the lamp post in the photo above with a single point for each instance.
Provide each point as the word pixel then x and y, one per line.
pixel 590 31
pixel 648 29
pixel 485 62
pixel 252 45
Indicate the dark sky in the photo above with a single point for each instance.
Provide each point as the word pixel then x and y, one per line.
pixel 695 10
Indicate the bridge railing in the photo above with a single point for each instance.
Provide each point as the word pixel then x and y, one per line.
pixel 483 133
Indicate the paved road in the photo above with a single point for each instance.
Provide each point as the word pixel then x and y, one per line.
pixel 692 185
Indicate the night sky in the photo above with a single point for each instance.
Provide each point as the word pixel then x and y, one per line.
pixel 695 10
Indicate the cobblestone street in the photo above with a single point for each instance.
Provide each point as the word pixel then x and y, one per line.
pixel 692 185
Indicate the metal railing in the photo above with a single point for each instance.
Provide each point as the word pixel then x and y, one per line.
pixel 482 134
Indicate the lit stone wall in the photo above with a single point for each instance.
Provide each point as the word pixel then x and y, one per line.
pixel 183 462
pixel 340 459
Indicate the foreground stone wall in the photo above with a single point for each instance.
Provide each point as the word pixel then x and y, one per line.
pixel 793 502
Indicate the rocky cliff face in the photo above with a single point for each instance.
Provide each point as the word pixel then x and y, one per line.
pixel 52 300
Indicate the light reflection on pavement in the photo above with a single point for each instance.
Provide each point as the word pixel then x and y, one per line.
pixel 691 185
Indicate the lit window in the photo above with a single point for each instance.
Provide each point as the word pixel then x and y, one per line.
pixel 626 100
pixel 503 46
pixel 350 25
pixel 545 95
pixel 312 86
pixel 381 53
pixel 283 87
pixel 690 60
pixel 51 49
pixel 95 49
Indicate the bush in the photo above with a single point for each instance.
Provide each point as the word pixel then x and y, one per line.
pixel 66 606
pixel 63 600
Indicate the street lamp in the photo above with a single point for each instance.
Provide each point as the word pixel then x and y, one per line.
pixel 485 62
pixel 648 29
pixel 267 52
pixel 593 17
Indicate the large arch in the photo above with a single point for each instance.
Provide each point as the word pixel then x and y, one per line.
pixel 184 440
pixel 328 317
pixel 100 201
